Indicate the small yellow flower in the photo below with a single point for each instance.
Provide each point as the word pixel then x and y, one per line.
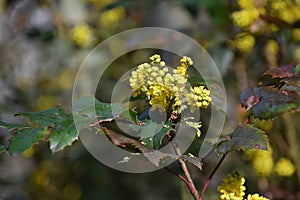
pixel 232 187
pixel 256 197
pixel 81 34
pixel 284 167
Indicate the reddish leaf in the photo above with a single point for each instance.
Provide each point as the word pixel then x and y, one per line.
pixel 267 102
pixel 154 156
pixel 282 75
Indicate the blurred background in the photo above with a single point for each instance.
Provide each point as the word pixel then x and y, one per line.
pixel 43 43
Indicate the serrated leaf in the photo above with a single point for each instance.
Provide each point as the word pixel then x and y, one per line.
pixel 3 148
pixel 25 139
pixel 275 75
pixel 10 126
pixel 43 118
pixel 267 102
pixel 63 135
pixel 91 107
pixel 244 137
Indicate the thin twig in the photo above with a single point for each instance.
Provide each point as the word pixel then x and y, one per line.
pixel 192 189
pixel 291 135
pixel 246 121
pixel 186 171
pixel 210 177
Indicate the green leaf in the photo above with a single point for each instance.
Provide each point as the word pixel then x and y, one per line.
pixel 153 133
pixel 91 107
pixel 196 81
pixel 44 118
pixel 25 139
pixel 150 128
pixel 10 126
pixel 3 148
pixel 244 137
pixel 158 138
pixel 63 135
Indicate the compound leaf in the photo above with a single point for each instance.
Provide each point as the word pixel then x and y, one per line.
pixel 244 137
pixel 25 139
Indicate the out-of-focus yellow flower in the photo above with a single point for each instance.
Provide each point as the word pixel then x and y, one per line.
pixel 245 17
pixel 244 42
pixel 81 34
pixel 232 187
pixel 28 153
pixel 45 102
pixel 296 34
pixel 246 4
pixel 297 54
pixel 262 161
pixel 101 3
pixel 72 191
pixel 2 6
pixel 277 5
pixel 256 197
pixel 272 47
pixel 65 80
pixel 112 17
pixel 284 167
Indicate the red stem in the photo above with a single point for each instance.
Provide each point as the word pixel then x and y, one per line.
pixel 192 189
pixel 210 177
pixel 216 168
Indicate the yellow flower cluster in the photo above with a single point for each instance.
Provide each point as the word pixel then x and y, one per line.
pixel 232 188
pixel 286 10
pixel 262 161
pixel 165 89
pixel 255 197
pixel 285 167
pixel 81 34
pixel 244 42
pixel 262 17
pixel 249 14
pixel 198 97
